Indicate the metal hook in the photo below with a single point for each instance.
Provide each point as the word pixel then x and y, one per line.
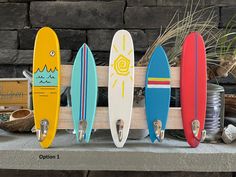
pixel 82 129
pixel 119 128
pixel 43 131
pixel 203 135
pixel 158 131
pixel 195 127
pixel 162 135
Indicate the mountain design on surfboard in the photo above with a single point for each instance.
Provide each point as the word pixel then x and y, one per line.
pixel 46 77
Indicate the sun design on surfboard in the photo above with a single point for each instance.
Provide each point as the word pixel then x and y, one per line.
pixel 121 66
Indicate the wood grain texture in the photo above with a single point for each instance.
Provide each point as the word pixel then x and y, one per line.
pixel 102 71
pixel 14 92
pixel 138 118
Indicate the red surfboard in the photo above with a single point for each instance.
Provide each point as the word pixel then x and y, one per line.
pixel 193 88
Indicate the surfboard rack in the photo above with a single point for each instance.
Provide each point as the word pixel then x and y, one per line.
pixel 138 116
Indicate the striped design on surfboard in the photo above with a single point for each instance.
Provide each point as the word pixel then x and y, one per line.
pixel 196 79
pixel 154 82
pixel 83 85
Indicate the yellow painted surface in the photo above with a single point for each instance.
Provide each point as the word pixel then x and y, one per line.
pixel 46 99
pixel 158 79
pixel 14 92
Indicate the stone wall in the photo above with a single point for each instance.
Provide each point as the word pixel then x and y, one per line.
pixel 93 22
pixel 40 173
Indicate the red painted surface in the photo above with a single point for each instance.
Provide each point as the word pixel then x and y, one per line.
pixel 193 85
pixel 159 82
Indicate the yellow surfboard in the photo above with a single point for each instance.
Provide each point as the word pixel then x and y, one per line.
pixel 46 85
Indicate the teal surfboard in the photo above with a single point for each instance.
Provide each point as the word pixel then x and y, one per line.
pixel 84 93
pixel 157 94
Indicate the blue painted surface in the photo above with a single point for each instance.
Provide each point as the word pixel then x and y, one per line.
pixel 84 108
pixel 157 100
pixel 46 77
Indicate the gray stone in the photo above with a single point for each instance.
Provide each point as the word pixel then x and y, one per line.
pixel 169 3
pixel 18 69
pixel 10 71
pixel 100 40
pixel 26 38
pixel 157 17
pixel 152 35
pixel 13 15
pixel 149 17
pixel 220 2
pixel 69 39
pixel 24 1
pixel 24 57
pixel 140 40
pixel 226 15
pixel 154 174
pixel 17 150
pixel 180 3
pixel 42 173
pixel 141 3
pixel 90 0
pixel 6 71
pixel 85 14
pixel 7 56
pixel 101 58
pixel 8 40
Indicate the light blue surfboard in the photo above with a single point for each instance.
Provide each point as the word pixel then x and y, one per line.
pixel 84 93
pixel 157 94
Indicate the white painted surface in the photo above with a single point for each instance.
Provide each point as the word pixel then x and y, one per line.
pixel 121 84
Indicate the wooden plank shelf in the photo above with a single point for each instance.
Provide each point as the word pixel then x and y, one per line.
pixel 102 71
pixel 138 119
pixel 138 116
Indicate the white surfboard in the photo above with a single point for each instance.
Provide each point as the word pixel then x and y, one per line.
pixel 121 86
